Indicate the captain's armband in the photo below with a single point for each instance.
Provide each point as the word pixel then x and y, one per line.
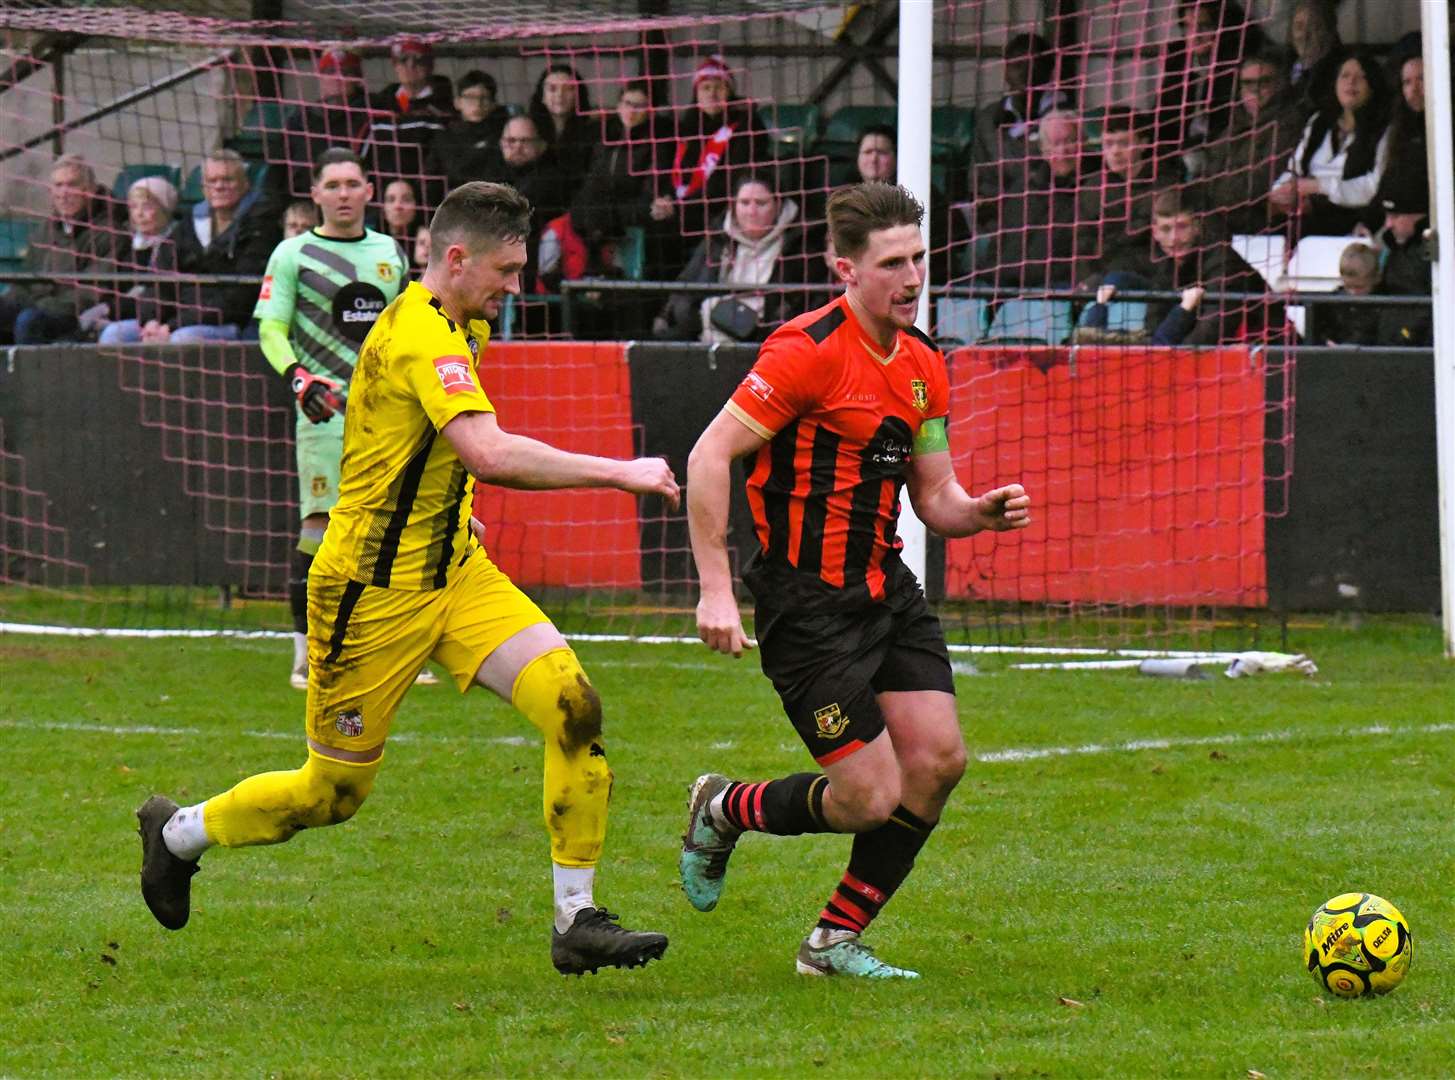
pixel 932 438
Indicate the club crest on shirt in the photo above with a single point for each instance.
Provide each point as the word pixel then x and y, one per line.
pixel 919 394
pixel 758 386
pixel 386 271
pixel 454 373
pixel 350 723
pixel 830 720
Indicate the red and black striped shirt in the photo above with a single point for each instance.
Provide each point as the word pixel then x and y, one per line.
pixel 841 421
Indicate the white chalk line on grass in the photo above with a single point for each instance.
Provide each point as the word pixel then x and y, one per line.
pixel 1041 753
pixel 608 639
pixel 991 757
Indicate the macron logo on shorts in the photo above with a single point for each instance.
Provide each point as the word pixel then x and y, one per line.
pixel 758 386
pixel 454 373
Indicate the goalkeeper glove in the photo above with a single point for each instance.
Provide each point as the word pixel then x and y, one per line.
pixel 316 395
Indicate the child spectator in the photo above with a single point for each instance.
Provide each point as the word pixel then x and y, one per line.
pixel 561 108
pixel 463 151
pixel 300 216
pixel 1335 170
pixel 1352 324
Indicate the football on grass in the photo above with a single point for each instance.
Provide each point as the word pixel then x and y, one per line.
pixel 1357 944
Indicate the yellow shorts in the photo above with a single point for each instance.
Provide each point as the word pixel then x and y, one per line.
pixel 366 644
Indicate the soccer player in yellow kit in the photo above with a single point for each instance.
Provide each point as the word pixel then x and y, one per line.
pixel 400 579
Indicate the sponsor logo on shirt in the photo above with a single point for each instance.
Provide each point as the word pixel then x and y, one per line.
pixel 267 290
pixel 758 386
pixel 454 373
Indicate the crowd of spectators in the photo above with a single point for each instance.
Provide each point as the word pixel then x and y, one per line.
pixel 1242 138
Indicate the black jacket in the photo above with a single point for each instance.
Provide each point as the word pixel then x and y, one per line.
pixel 242 249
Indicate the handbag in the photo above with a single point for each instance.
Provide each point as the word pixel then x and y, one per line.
pixel 735 319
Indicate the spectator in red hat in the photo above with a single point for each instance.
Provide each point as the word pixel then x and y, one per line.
pixel 415 108
pixel 561 108
pixel 342 117
pixel 715 135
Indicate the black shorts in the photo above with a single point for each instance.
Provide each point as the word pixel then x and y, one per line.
pixel 828 666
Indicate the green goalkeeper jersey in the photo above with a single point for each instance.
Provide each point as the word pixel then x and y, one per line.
pixel 329 292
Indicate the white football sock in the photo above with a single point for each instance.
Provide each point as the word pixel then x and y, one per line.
pixel 184 833
pixel 573 892
pixel 714 809
pixel 822 936
pixel 300 650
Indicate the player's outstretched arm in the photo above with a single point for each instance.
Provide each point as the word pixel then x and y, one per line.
pixel 709 473
pixel 518 461
pixel 949 510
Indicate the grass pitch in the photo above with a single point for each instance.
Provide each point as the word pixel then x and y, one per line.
pixel 1122 894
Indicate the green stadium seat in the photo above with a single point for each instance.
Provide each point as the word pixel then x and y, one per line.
pixel 260 135
pixel 14 242
pixel 631 253
pixel 1033 322
pixel 794 128
pixel 841 135
pixel 130 174
pixel 952 130
pixel 960 319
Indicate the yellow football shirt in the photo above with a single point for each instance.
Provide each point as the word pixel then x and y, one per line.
pixel 402 518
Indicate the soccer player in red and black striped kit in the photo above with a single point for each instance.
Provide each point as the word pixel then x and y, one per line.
pixel 844 406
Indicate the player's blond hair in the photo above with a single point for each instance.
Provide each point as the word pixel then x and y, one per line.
pixel 1359 260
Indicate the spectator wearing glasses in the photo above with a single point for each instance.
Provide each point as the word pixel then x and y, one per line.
pixel 232 231
pixel 527 163
pixel 463 151
pixel 414 109
pixel 1243 162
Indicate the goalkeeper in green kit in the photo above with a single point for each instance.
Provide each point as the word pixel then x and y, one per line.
pixel 321 294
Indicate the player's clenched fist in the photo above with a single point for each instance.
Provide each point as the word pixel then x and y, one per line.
pixel 720 625
pixel 650 476
pixel 1004 508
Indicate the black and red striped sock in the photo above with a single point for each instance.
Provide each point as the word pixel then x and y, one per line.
pixel 787 807
pixel 878 864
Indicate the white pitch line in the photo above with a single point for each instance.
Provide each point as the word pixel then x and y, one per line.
pixel 616 639
pixel 1040 753
pixel 191 732
pixel 992 757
